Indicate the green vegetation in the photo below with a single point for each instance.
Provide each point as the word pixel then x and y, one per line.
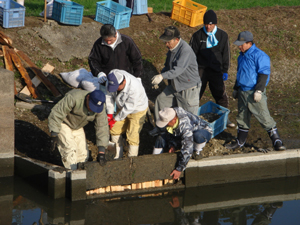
pixel 34 7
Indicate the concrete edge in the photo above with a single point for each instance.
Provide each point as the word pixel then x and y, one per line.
pixel 244 158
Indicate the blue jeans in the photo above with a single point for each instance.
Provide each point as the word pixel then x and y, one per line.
pixel 168 140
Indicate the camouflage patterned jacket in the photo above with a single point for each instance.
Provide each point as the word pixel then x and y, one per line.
pixel 188 123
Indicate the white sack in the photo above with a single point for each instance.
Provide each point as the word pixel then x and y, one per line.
pixel 74 78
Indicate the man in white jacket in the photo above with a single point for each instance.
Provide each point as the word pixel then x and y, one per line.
pixel 128 93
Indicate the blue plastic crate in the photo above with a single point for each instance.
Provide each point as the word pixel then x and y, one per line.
pixel 12 17
pixel 67 12
pixel 5 4
pixel 109 12
pixel 220 124
pixel 140 6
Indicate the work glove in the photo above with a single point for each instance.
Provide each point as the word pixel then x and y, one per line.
pixel 111 123
pixel 102 77
pixel 235 94
pixel 157 79
pixel 109 117
pixel 257 96
pixel 54 140
pixel 225 76
pixel 101 156
pixel 155 86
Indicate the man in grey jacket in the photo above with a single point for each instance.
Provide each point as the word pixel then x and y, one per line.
pixel 66 122
pixel 181 70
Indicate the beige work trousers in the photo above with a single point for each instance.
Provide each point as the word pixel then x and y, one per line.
pixel 72 146
pixel 132 125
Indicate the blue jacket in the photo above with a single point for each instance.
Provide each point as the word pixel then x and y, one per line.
pixel 250 64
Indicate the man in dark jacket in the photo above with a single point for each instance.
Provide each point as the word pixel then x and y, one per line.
pixel 211 47
pixel 114 51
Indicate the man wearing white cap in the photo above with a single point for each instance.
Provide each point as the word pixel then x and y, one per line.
pixel 128 93
pixel 184 129
pixel 66 122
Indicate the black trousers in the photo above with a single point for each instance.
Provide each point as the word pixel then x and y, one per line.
pixel 129 4
pixel 216 85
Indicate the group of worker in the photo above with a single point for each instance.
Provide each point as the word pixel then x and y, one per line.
pixel 117 62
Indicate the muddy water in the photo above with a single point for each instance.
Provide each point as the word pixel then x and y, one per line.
pixel 240 203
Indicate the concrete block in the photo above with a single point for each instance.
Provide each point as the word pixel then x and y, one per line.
pixel 56 184
pixel 6 121
pixel 78 185
pixel 239 168
pixel 130 170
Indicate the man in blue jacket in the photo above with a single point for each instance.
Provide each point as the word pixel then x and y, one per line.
pixel 253 75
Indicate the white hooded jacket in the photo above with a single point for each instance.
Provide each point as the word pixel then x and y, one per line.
pixel 131 99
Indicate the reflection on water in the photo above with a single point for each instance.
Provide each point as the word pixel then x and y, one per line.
pixel 263 202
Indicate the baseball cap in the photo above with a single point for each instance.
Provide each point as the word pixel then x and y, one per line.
pixel 165 116
pixel 96 101
pixel 244 37
pixel 170 33
pixel 114 78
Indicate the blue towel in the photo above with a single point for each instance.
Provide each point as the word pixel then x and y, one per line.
pixel 211 40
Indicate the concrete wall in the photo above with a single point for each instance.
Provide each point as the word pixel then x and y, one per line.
pixel 7 128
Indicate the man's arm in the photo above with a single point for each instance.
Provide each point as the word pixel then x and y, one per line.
pixel 101 128
pixel 95 59
pixel 195 43
pixel 225 54
pixel 180 65
pixel 135 58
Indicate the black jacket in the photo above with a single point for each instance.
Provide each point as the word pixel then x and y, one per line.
pixel 217 57
pixel 125 56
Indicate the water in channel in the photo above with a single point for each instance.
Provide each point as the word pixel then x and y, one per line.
pixel 273 202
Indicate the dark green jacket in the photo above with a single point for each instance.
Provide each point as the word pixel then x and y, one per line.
pixel 72 111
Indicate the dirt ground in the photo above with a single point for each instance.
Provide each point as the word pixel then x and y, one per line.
pixel 275 30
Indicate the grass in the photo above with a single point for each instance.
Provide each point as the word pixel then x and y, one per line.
pixel 35 7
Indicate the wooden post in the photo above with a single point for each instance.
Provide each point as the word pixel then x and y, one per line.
pixel 45 11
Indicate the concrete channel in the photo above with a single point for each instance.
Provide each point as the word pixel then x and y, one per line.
pixel 134 175
pixel 118 178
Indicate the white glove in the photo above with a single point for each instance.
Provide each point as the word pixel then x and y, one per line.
pixel 235 94
pixel 155 86
pixel 157 79
pixel 102 77
pixel 257 96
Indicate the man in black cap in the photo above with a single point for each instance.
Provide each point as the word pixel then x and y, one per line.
pixel 253 75
pixel 181 70
pixel 211 46
pixel 66 122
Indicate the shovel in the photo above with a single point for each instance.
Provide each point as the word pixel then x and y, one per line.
pixel 27 98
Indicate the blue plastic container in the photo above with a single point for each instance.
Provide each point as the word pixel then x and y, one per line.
pixel 14 16
pixel 67 12
pixel 109 12
pixel 220 124
pixel 140 6
pixel 5 4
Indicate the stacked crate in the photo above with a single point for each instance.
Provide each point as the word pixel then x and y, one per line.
pixel 12 14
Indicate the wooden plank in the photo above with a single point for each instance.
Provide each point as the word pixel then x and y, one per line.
pixel 6 38
pixel 36 81
pixel 7 58
pixel 38 73
pixel 23 72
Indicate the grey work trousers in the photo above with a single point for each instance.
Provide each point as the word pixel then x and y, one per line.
pixel 247 106
pixel 186 99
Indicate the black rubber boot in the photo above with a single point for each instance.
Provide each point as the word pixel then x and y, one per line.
pixel 276 141
pixel 240 141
